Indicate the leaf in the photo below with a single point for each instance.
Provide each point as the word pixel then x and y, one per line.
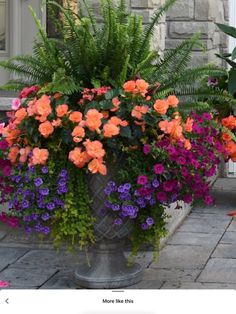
pixel 126 132
pixel 66 136
pixel 234 54
pixel 229 30
pixel 232 81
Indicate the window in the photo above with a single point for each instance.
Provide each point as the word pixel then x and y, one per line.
pixel 3 22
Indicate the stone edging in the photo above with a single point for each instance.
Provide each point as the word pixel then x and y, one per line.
pixel 5 103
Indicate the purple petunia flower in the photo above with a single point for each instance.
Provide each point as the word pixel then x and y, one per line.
pixel 62 182
pixel 155 183
pixel 25 204
pixel 27 218
pixel 45 216
pixel 50 206
pixel 121 189
pixel 63 173
pixel 115 207
pixel 144 226
pixel 44 191
pixel 46 230
pixel 38 182
pixel 149 221
pixel 152 201
pixel 108 190
pixel 62 190
pixel 127 186
pixel 35 216
pixel 44 170
pixel 118 221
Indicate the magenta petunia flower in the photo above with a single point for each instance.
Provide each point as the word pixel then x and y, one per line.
pixel 162 197
pixel 158 168
pixel 142 180
pixel 146 149
pixel 168 186
pixel 3 145
pixel 188 199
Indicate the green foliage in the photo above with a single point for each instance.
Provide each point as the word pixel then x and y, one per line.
pixel 75 223
pixel 228 57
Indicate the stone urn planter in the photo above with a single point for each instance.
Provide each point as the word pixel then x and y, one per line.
pixel 108 267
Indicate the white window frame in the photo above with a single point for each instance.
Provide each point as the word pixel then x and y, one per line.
pixel 5 53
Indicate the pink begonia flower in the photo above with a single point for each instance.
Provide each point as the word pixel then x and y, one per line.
pixel 15 104
pixel 4 284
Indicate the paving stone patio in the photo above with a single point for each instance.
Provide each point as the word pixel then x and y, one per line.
pixel 200 255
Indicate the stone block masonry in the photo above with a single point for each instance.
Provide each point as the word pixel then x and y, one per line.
pixel 187 17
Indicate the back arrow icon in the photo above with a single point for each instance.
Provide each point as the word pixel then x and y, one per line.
pixel 7 301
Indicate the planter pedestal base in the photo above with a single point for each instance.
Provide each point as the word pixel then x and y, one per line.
pixel 109 268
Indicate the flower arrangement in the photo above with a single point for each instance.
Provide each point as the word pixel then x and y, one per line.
pixel 52 143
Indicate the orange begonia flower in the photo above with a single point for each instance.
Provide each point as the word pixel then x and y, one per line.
pixel 93 119
pixel 173 101
pixel 13 154
pixel 20 115
pixel 62 110
pixel 172 127
pixel 176 131
pixel 161 106
pixel 78 132
pixel 129 86
pixel 78 157
pixel 166 126
pixel 96 165
pixel 12 136
pixel 56 123
pixel 57 95
pixel 43 106
pixel 94 148
pixel 141 86
pixel 116 103
pixel 75 116
pixel 231 147
pixel 32 109
pixel 226 137
pixel 41 118
pixel 187 144
pixel 229 122
pixel 105 114
pixel 142 124
pixel 110 130
pixel 46 129
pixel 188 126
pixel 24 152
pixel 40 156
pixel 139 111
pixel 117 121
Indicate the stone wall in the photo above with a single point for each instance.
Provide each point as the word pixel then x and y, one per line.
pixel 187 17
pixel 146 8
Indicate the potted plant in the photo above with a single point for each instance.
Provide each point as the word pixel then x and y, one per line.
pixel 96 151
